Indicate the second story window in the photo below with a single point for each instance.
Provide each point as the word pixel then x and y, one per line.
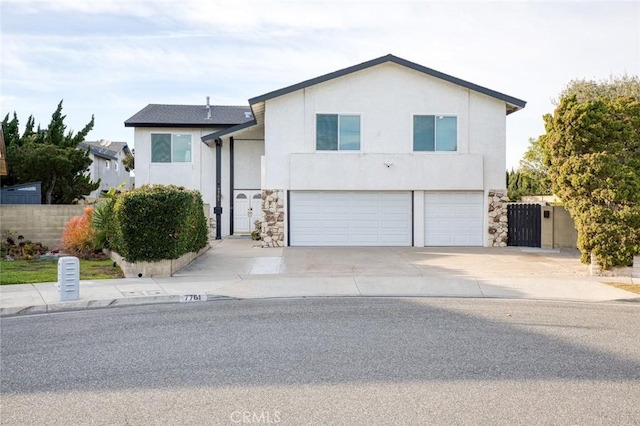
pixel 170 148
pixel 435 133
pixel 337 132
pixel 115 166
pixel 107 164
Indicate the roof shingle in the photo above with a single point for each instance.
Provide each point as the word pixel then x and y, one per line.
pixel 157 115
pixel 101 149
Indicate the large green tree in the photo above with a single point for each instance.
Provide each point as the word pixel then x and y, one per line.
pixel 592 151
pixel 532 175
pixel 612 88
pixel 50 156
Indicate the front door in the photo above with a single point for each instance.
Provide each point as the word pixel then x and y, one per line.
pixel 247 208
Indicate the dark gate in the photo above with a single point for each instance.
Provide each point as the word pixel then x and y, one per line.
pixel 524 225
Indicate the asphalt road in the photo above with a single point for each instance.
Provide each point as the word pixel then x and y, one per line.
pixel 352 361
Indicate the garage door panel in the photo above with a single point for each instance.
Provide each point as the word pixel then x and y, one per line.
pixel 454 218
pixel 394 225
pixel 350 218
pixel 364 239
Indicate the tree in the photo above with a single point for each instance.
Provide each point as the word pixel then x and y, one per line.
pixel 129 161
pixel 592 151
pixel 534 170
pixel 531 178
pixel 612 88
pixel 49 156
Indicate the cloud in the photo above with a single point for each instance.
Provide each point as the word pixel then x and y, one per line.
pixel 109 56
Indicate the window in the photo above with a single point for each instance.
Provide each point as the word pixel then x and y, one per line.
pixel 435 133
pixel 337 132
pixel 115 166
pixel 170 148
pixel 107 164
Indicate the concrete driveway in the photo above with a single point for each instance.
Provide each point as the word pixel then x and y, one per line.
pixel 243 270
pixel 236 268
pixel 242 258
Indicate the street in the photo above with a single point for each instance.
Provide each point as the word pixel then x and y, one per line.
pixel 337 361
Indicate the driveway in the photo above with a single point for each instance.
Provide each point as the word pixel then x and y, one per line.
pixel 237 268
pixel 242 258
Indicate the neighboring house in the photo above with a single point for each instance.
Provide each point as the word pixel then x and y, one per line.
pixel 107 165
pixel 383 153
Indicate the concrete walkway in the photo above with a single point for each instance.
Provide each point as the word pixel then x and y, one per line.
pixel 234 268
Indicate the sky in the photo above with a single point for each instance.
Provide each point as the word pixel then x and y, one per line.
pixel 112 58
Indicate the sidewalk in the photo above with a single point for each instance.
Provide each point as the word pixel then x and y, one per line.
pixel 235 269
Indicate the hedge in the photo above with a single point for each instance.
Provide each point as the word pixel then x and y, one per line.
pixel 157 222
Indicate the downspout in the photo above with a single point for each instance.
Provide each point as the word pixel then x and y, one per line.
pixel 231 183
pixel 218 208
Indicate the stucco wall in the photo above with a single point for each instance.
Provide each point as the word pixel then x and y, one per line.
pixel 200 174
pixel 248 151
pixel 387 96
pixel 558 230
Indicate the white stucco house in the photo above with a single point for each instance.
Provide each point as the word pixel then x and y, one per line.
pixel 107 165
pixel 383 153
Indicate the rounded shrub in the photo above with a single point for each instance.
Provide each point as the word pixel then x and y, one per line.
pixel 157 222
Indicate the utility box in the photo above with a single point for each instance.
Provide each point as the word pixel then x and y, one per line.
pixel 68 278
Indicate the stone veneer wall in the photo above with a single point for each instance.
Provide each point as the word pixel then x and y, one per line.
pixel 272 229
pixel 498 225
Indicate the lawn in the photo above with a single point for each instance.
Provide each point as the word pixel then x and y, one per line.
pixel 35 271
pixel 634 288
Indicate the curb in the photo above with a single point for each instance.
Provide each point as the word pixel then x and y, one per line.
pixel 83 305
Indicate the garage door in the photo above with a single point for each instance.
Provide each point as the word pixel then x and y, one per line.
pixel 335 218
pixel 453 218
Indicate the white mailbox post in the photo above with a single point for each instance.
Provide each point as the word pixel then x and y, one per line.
pixel 68 278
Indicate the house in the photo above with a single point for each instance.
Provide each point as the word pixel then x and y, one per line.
pixel 383 153
pixel 107 165
pixel 169 150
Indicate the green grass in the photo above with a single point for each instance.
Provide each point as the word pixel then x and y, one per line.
pixel 35 271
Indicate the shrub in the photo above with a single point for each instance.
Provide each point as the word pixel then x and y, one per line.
pixel 18 248
pixel 79 234
pixel 592 150
pixel 157 222
pixel 103 217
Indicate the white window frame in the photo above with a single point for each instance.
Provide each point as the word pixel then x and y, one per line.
pixel 115 165
pixel 435 141
pixel 107 164
pixel 171 163
pixel 315 135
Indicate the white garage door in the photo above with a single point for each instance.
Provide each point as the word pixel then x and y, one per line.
pixel 335 218
pixel 453 218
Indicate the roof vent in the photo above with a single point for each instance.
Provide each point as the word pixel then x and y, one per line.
pixel 247 114
pixel 208 109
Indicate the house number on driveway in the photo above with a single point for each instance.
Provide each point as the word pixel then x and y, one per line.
pixel 193 297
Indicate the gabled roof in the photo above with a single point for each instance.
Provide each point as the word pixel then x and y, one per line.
pixel 156 115
pixel 513 104
pixel 105 149
pixel 257 103
pixel 227 131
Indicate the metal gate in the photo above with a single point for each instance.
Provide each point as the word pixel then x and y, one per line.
pixel 524 225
